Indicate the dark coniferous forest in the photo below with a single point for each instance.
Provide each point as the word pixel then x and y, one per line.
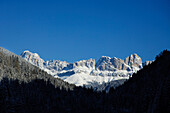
pixel 25 88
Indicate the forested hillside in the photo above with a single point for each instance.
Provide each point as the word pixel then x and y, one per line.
pixel 14 67
pixel 25 88
pixel 148 90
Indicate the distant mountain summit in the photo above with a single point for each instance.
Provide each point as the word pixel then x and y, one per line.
pixel 133 62
pixel 86 72
pixel 33 58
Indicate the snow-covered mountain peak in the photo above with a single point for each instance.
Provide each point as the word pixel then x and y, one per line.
pixel 33 58
pixel 85 72
pixel 27 53
pixel 134 61
pixel 131 63
pixel 102 61
pixel 135 57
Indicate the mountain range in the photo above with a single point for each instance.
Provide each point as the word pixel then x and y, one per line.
pixel 88 72
pixel 25 88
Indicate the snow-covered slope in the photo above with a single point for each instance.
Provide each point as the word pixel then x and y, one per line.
pixel 86 72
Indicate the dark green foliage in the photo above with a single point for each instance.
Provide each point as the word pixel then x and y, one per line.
pixel 25 88
pixel 41 96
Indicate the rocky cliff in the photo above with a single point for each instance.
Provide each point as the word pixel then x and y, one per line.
pixel 85 72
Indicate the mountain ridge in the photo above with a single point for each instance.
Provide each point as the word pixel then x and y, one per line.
pixel 84 72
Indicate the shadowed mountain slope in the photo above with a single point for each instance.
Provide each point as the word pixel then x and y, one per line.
pixel 148 90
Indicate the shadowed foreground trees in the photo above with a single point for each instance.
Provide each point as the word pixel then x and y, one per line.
pixel 40 96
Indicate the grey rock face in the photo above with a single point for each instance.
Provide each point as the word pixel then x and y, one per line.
pixel 33 58
pixel 55 65
pixel 111 64
pixel 104 63
pixel 130 63
pixel 88 63
pixel 119 64
pixel 134 61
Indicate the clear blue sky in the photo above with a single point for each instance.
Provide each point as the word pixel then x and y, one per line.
pixel 72 30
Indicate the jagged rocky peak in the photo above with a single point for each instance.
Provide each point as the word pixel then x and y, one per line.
pixel 104 63
pixel 131 63
pixel 134 61
pixel 27 53
pixel 90 63
pixel 111 64
pixel 119 64
pixel 63 65
pixel 103 60
pixel 33 58
pixel 56 65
